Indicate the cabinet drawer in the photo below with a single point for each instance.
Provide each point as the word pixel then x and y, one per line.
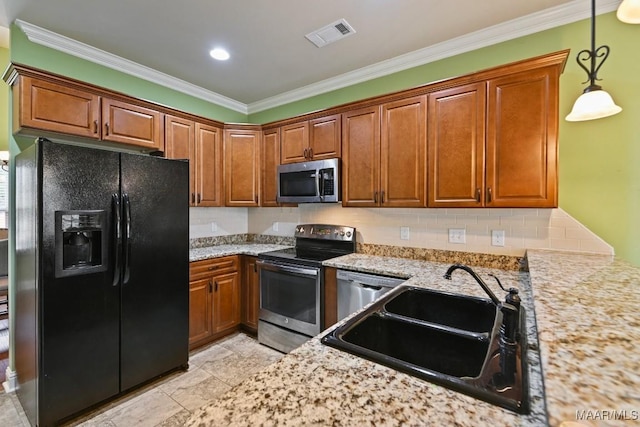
pixel 214 266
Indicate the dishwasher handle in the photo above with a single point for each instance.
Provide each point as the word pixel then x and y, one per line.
pixel 368 287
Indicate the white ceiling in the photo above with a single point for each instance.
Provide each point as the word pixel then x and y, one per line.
pixel 270 57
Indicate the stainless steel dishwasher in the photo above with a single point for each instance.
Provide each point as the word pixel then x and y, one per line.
pixel 355 290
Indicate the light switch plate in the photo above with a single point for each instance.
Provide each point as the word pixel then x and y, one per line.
pixel 457 235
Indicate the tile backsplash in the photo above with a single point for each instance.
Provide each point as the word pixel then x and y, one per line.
pixel 428 228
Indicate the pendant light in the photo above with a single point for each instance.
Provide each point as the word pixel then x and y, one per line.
pixel 594 103
pixel 629 11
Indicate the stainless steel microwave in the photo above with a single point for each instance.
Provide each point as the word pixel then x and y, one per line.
pixel 317 181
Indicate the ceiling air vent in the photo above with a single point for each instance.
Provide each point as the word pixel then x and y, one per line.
pixel 330 33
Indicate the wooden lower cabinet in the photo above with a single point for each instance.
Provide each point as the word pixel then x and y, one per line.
pixel 214 299
pixel 330 296
pixel 250 291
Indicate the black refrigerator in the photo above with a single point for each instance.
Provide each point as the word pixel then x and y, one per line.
pixel 102 275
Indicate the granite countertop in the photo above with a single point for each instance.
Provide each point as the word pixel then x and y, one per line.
pixel 589 354
pixel 587 309
pixel 198 254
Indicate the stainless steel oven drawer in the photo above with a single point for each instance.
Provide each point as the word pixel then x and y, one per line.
pixel 279 338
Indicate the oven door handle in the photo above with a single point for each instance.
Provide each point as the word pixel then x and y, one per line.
pixel 288 268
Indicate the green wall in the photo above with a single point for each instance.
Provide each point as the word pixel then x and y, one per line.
pixel 599 179
pixel 599 159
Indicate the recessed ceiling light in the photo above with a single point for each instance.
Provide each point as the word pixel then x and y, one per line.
pixel 219 54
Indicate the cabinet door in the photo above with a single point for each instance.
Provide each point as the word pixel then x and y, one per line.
pixel 294 145
pixel 325 137
pixel 200 316
pixel 226 302
pixel 456 138
pixel 250 293
pixel 403 153
pixel 56 108
pixel 208 166
pixel 521 166
pixel 361 157
pixel 270 160
pixel 242 162
pixel 132 124
pixel 180 144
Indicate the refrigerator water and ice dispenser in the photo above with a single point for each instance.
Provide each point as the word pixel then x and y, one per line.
pixel 81 242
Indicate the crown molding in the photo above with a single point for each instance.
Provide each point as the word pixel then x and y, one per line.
pixel 549 18
pixel 84 51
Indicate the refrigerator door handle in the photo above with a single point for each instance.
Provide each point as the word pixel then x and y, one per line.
pixel 127 238
pixel 117 233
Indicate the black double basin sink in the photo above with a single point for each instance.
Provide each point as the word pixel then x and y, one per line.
pixel 448 339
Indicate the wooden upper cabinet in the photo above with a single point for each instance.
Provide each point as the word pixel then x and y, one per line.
pixel 456 141
pixel 522 147
pixel 270 159
pixel 202 145
pixel 384 155
pixel 132 124
pixel 43 105
pixel 66 107
pixel 209 166
pixel 403 153
pixel 242 166
pixel 315 139
pixel 180 144
pixel 361 157
pixel 294 145
pixel 325 139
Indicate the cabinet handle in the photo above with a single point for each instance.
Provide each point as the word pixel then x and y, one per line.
pixel 193 198
pixel 210 286
pixel 256 199
pixel 489 195
pixel 106 128
pixel 95 126
pixel 199 198
pixel 255 267
pixel 478 195
pixel 213 267
pixel 310 152
pixel 304 153
pixel 375 197
pixel 382 196
pixel 216 283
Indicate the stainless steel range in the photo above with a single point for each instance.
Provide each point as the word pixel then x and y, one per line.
pixel 292 284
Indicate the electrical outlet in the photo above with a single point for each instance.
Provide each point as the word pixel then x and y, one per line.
pixel 497 237
pixel 214 226
pixel 275 226
pixel 404 233
pixel 457 235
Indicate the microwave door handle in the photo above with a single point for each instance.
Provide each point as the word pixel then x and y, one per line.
pixel 321 185
pixel 318 178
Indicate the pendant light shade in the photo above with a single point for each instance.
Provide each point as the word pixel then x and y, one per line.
pixel 629 11
pixel 594 103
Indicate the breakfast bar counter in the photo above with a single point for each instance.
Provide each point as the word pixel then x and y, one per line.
pixel 588 354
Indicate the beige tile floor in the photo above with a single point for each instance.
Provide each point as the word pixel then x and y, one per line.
pixel 169 401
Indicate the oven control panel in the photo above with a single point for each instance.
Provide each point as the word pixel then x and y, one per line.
pixel 326 232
